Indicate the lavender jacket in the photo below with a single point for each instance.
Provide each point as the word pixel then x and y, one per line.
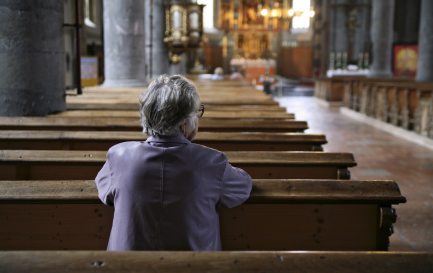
pixel 166 192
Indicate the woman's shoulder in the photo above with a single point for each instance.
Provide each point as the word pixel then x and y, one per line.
pixel 124 146
pixel 208 151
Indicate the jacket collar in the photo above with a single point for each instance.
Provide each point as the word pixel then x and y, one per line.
pixel 177 138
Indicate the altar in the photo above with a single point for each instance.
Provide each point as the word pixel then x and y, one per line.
pixel 254 69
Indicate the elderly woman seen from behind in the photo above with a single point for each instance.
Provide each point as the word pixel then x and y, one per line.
pixel 166 190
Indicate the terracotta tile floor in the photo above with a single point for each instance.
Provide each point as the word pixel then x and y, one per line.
pixel 380 156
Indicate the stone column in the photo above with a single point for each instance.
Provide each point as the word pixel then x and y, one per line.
pixel 32 58
pixel 124 43
pixel 321 47
pixel 362 30
pixel 156 59
pixel 425 58
pixel 382 21
pixel 338 27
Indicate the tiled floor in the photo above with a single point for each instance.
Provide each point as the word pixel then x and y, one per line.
pixel 380 156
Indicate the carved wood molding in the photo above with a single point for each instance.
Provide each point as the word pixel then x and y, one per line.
pixel 387 217
pixel 343 173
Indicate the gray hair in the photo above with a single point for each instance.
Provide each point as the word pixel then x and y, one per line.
pixel 169 102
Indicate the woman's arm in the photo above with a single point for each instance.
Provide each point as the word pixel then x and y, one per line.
pixel 236 186
pixel 104 184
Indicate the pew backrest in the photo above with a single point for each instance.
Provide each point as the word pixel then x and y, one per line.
pixel 230 262
pixel 103 140
pixel 279 215
pixel 132 124
pixel 55 164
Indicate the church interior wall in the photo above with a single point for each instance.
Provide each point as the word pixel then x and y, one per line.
pixel 230 39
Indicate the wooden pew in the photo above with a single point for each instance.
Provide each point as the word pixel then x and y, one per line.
pixel 128 124
pixel 216 100
pixel 208 114
pixel 204 91
pixel 227 261
pixel 211 90
pixel 134 107
pixel 54 164
pixel 212 94
pixel 279 215
pixel 234 96
pixel 103 140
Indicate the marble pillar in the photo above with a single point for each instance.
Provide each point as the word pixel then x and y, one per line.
pixel 32 58
pixel 382 22
pixel 156 58
pixel 425 58
pixel 124 43
pixel 362 30
pixel 338 26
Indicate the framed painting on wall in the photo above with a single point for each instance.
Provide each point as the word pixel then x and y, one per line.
pixel 405 60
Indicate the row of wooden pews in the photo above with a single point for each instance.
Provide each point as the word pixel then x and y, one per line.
pixel 302 198
pixel 102 140
pixel 313 215
pixel 115 123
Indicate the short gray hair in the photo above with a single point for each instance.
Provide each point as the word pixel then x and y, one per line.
pixel 168 102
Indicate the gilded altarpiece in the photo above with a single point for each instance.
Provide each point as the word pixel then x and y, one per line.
pixel 252 30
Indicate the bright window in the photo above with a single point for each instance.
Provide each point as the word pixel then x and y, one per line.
pixel 303 5
pixel 207 13
pixel 301 20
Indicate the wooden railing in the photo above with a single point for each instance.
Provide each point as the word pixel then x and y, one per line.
pixel 402 103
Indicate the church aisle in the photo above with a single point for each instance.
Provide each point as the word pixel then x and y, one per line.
pixel 379 156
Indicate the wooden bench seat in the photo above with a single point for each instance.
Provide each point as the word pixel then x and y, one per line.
pixel 134 107
pixel 236 96
pixel 216 93
pixel 279 215
pixel 205 91
pixel 208 114
pixel 247 99
pixel 132 124
pixel 202 90
pixel 54 164
pixel 102 140
pixel 227 261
